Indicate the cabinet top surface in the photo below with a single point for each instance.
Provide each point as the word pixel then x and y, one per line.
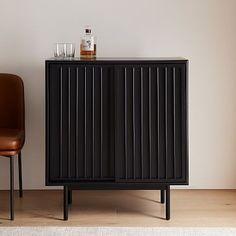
pixel 119 59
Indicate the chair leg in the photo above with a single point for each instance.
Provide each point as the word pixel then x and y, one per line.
pixel 12 187
pixel 20 175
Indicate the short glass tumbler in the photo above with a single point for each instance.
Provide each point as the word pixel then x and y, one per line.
pixel 59 50
pixel 70 50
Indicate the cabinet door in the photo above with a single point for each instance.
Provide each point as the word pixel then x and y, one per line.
pixel 79 123
pixel 151 123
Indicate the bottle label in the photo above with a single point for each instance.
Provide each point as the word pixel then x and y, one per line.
pixel 87 44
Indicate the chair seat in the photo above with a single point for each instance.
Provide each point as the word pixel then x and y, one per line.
pixel 11 141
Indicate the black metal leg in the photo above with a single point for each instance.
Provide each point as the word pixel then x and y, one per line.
pixel 69 196
pixel 12 187
pixel 20 175
pixel 162 196
pixel 167 202
pixel 65 202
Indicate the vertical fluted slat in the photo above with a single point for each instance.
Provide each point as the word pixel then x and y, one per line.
pixel 77 124
pixel 150 119
pixel 85 122
pixel 166 121
pixel 142 115
pixel 184 119
pixel 126 128
pixel 101 135
pixel 93 125
pixel 61 120
pixel 69 126
pixel 134 144
pixel 174 131
pixel 48 120
pixel 158 119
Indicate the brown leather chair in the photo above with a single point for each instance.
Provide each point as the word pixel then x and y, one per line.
pixel 12 126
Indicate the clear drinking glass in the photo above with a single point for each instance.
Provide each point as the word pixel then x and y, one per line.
pixel 70 50
pixel 59 50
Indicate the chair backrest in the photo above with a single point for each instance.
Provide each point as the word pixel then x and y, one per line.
pixel 12 104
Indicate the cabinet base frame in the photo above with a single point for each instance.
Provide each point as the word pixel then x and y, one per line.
pixel 164 196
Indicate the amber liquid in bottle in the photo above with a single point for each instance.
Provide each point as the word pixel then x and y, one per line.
pixel 86 53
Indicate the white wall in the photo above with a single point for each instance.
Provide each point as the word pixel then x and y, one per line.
pixel 204 31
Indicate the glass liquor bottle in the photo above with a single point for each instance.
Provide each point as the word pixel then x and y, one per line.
pixel 88 44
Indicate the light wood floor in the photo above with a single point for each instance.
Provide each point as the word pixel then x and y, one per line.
pixel 122 208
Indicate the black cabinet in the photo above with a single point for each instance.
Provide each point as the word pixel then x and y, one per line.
pixel 116 124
